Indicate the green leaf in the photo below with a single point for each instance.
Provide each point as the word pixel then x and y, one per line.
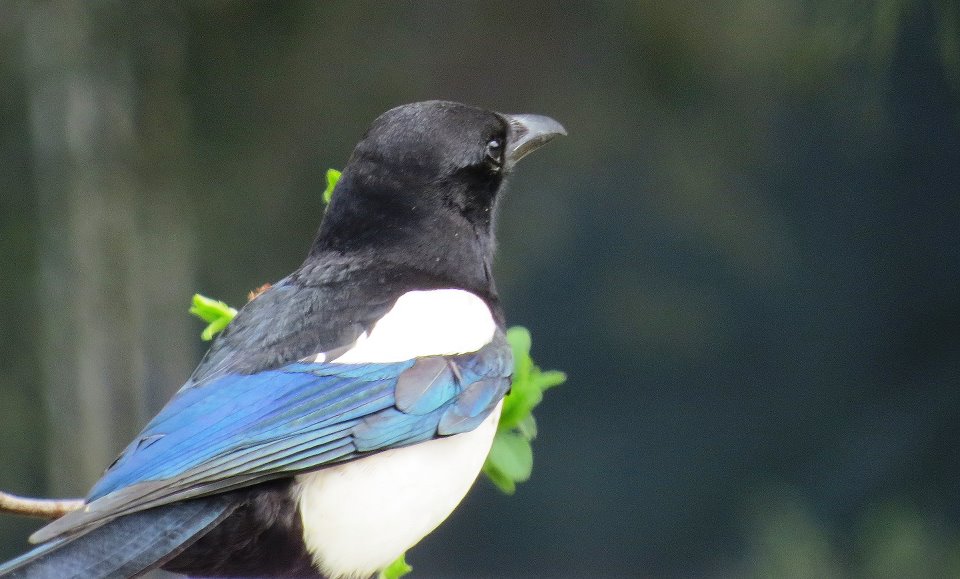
pixel 528 427
pixel 510 460
pixel 499 479
pixel 511 457
pixel 332 177
pixel 397 569
pixel 520 340
pixel 216 313
pixel 518 404
pixel 214 328
pixel 548 379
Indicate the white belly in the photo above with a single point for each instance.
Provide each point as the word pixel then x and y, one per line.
pixel 360 516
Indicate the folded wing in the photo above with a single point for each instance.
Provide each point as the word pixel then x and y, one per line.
pixel 241 429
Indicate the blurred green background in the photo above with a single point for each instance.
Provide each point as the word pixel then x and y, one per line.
pixel 745 255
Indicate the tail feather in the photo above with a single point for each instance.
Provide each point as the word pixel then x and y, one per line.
pixel 124 547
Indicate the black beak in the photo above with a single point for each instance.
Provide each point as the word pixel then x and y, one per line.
pixel 528 133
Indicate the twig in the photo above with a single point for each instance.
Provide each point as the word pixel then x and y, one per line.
pixel 40 508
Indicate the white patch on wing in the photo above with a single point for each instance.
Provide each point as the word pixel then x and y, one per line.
pixel 423 323
pixel 360 516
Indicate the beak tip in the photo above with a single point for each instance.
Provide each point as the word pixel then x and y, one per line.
pixel 530 132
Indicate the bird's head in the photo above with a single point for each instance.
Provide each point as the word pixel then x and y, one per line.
pixel 428 165
pixel 443 139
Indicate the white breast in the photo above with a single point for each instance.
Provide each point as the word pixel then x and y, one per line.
pixel 360 516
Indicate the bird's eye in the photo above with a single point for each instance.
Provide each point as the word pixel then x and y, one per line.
pixel 495 152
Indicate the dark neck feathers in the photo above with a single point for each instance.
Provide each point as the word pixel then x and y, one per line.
pixel 425 228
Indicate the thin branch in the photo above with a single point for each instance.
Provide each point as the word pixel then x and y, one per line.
pixel 40 508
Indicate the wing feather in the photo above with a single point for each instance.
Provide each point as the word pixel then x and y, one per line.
pixel 241 429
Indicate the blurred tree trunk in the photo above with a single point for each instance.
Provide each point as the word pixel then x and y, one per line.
pixel 116 253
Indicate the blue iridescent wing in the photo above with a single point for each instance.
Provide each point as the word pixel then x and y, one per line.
pixel 241 429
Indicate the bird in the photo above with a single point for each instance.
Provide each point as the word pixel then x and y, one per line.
pixel 345 412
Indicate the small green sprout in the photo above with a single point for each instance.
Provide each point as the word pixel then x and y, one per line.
pixel 397 569
pixel 332 177
pixel 216 313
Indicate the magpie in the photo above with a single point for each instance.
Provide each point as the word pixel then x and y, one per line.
pixel 347 410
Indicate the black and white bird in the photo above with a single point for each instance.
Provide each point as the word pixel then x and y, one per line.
pixel 346 411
